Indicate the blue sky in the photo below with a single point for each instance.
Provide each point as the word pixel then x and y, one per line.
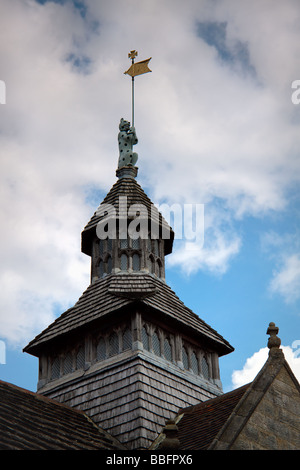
pixel 216 126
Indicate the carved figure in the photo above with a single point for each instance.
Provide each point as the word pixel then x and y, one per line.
pixel 126 139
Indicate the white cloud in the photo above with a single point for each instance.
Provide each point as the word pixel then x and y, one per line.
pixel 204 238
pixel 284 249
pixel 254 364
pixel 251 368
pixel 214 256
pixel 286 280
pixel 206 129
pixel 42 267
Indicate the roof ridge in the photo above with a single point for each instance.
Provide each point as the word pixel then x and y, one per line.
pixel 212 401
pixel 39 396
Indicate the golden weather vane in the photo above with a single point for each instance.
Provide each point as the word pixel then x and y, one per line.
pixel 136 68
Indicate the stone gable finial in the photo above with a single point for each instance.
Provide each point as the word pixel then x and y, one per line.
pixel 171 440
pixel 273 341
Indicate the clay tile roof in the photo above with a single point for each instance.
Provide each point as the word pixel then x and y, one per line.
pixel 198 425
pixel 29 421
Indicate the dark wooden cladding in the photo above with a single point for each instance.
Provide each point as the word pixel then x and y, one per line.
pixel 131 396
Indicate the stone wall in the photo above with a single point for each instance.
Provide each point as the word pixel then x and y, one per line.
pixel 275 423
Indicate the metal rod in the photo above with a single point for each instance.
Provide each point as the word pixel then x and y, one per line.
pixel 132 55
pixel 132 93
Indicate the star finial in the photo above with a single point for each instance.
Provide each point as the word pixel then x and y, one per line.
pixel 132 54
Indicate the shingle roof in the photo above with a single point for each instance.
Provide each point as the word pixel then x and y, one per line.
pixel 116 291
pixel 29 421
pixel 199 424
pixel 134 193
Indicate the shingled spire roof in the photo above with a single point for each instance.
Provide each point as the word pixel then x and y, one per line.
pixel 126 187
pixel 115 292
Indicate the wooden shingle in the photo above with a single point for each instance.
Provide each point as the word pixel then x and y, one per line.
pixel 117 291
pixel 29 421
pixel 134 193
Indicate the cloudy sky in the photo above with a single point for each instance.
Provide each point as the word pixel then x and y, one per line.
pixel 217 125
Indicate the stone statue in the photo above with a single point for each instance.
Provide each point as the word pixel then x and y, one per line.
pixel 126 139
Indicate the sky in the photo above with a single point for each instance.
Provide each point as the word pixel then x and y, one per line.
pixel 218 126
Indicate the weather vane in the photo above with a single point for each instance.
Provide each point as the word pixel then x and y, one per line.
pixel 135 69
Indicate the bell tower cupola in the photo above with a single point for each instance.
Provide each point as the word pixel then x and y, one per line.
pixel 129 352
pixel 127 234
